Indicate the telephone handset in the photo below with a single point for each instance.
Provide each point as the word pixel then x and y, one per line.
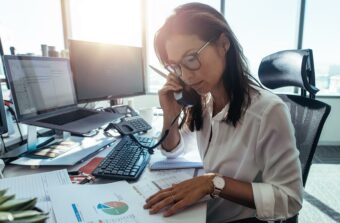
pixel 188 97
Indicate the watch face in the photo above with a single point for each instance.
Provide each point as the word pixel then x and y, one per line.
pixel 219 182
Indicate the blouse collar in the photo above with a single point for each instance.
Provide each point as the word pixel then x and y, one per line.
pixel 210 106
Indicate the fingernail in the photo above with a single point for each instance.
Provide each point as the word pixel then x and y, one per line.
pixel 166 214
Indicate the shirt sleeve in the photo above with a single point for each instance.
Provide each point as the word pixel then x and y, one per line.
pixel 186 136
pixel 279 195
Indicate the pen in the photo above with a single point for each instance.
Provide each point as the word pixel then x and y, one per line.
pixel 88 179
pixel 158 71
pixel 77 172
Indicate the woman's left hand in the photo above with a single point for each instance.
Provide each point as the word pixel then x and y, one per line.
pixel 180 195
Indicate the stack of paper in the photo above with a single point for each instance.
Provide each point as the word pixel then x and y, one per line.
pixel 36 186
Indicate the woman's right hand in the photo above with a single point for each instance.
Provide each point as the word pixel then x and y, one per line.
pixel 166 96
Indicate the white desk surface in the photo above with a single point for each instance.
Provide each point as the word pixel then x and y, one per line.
pixel 195 214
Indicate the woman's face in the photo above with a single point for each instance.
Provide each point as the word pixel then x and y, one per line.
pixel 212 59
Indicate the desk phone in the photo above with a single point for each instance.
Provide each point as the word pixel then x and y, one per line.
pixel 131 125
pixel 122 109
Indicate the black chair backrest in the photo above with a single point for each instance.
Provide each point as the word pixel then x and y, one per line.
pixel 308 118
pixel 296 68
pixel 289 68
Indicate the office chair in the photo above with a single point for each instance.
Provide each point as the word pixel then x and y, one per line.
pixel 296 68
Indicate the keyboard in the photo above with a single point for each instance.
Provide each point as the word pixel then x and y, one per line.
pixel 68 117
pixel 126 161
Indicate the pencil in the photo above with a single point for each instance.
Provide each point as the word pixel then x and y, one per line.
pixel 158 71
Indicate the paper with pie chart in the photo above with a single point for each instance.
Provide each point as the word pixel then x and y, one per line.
pixel 107 203
pixel 113 207
pixel 118 202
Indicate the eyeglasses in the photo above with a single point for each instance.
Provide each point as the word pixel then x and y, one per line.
pixel 191 62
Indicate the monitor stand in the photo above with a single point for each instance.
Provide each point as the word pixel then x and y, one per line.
pixel 33 142
pixel 116 101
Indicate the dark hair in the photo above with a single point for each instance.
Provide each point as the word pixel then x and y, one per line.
pixel 208 24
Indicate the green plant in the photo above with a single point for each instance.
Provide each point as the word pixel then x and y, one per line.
pixel 19 210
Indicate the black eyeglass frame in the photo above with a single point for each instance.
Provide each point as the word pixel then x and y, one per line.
pixel 177 69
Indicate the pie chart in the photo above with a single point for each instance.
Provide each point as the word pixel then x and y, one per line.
pixel 113 207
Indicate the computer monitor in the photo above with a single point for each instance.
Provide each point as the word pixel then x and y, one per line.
pixel 39 85
pixel 106 71
pixel 43 94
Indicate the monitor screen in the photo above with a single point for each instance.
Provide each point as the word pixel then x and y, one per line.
pixel 105 71
pixel 39 84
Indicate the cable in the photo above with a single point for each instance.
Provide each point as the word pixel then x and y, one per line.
pixel 10 109
pixel 3 142
pixel 21 137
pixel 166 132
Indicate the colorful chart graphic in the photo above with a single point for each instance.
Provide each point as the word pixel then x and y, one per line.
pixel 113 207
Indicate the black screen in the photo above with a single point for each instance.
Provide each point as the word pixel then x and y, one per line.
pixel 106 71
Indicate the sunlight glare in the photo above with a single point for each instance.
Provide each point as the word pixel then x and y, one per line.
pixel 117 22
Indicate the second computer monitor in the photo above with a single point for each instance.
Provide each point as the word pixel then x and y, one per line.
pixel 105 71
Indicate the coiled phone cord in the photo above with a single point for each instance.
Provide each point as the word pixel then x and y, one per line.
pixel 166 132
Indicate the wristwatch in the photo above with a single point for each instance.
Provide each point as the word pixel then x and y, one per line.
pixel 219 184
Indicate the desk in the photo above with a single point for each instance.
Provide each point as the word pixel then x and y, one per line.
pixel 195 214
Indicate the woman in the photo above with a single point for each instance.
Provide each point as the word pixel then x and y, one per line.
pixel 243 132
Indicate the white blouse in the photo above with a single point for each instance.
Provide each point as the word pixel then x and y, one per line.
pixel 261 149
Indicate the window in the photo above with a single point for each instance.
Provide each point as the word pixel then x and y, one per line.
pixel 322 35
pixel 26 25
pixel 263 27
pixel 120 22
pixel 157 11
pixel 116 22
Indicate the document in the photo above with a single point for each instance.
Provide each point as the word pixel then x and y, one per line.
pixel 164 179
pixel 36 185
pixel 115 202
pixel 156 175
pixel 146 188
pixel 110 203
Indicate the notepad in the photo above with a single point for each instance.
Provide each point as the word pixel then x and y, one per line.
pixel 188 160
pixel 175 164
